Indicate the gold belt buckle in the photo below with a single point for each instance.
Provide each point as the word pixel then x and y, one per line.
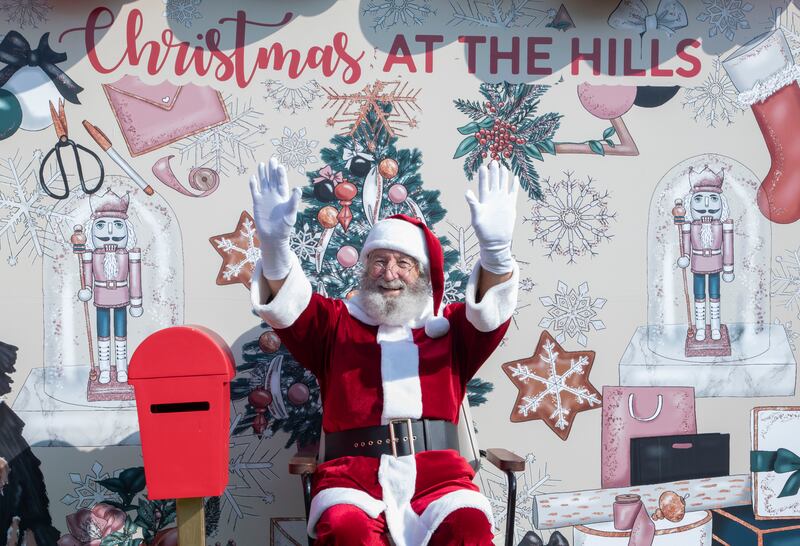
pixel 394 438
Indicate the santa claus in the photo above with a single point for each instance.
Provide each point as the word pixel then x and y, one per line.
pixel 392 364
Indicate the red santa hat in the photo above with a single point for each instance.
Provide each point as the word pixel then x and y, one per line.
pixel 411 236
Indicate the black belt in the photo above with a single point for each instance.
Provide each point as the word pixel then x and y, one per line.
pixel 392 439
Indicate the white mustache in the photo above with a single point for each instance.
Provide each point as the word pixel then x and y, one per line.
pixel 391 285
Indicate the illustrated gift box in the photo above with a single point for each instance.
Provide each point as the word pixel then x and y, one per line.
pixel 774 462
pixel 737 526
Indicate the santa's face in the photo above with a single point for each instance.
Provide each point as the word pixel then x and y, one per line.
pixel 107 230
pixel 392 271
pixel 392 291
pixel 706 203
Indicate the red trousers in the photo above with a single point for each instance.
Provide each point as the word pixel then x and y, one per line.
pixel 347 525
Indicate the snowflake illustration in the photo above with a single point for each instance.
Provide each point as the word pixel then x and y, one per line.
pixel 391 12
pixel 30 221
pixel 242 252
pixel 183 12
pixel 251 464
pixel 493 14
pixel 303 242
pixel 791 335
pixel 526 284
pixel 555 386
pixel 25 13
pixel 87 492
pixel 230 145
pixel 725 17
pixel 462 240
pixel 572 313
pixel 294 149
pixel 786 279
pixel 714 100
pixel 534 481
pixel 571 219
pixel 787 19
pixel 285 97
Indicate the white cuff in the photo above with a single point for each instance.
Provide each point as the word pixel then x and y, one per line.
pixel 497 304
pixel 288 303
pixel 136 302
pixel 761 67
pixel 727 269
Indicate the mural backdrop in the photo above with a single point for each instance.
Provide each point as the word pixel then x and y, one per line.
pixel 657 239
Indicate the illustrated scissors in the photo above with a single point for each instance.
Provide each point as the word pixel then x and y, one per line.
pixel 60 124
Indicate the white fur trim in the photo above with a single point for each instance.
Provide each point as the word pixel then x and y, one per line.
pixel 398 479
pixel 764 90
pixel 758 65
pixel 289 302
pixel 497 304
pixel 399 235
pixel 402 391
pixel 341 495
pixel 436 326
pixel 442 507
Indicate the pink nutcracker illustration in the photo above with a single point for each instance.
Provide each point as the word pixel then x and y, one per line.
pixel 111 275
pixel 706 240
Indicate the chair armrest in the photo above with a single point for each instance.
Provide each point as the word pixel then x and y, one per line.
pixel 304 460
pixel 505 460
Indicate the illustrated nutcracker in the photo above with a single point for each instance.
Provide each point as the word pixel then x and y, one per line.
pixel 706 238
pixel 112 276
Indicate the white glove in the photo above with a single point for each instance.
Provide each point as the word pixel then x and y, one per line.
pixel 728 277
pixel 275 212
pixel 683 262
pixel 85 294
pixel 136 311
pixel 493 213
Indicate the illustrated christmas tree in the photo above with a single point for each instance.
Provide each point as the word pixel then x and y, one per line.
pixel 366 177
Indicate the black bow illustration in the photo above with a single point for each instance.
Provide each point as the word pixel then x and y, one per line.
pixel 532 539
pixel 16 52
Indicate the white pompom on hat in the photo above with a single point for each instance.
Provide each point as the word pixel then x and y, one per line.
pixel 411 236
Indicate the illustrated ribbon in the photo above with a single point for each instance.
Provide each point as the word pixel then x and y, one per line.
pixel 780 461
pixel 631 515
pixel 348 154
pixel 670 16
pixel 16 52
pixel 326 173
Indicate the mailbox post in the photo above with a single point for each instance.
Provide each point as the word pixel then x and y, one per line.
pixel 181 378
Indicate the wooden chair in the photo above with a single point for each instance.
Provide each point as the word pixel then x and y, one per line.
pixel 304 463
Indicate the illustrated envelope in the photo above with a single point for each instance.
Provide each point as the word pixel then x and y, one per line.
pixel 153 116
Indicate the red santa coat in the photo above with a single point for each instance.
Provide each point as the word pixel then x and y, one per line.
pixel 370 373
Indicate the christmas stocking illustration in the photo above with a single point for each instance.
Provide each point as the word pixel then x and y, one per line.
pixel 764 73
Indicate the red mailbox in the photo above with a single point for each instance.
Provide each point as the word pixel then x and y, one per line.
pixel 181 378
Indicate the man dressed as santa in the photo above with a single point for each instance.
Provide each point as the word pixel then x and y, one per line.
pixel 392 365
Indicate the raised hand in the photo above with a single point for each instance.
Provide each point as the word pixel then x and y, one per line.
pixel 274 206
pixel 494 212
pixel 275 212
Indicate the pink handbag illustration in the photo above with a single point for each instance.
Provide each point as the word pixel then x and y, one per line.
pixel 640 412
pixel 152 116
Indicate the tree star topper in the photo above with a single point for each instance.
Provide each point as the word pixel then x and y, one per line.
pixel 353 108
pixel 553 385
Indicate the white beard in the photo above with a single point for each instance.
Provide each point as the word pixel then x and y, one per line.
pixel 706 235
pixel 110 265
pixel 394 310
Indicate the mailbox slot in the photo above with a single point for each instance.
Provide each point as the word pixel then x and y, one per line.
pixel 179 407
